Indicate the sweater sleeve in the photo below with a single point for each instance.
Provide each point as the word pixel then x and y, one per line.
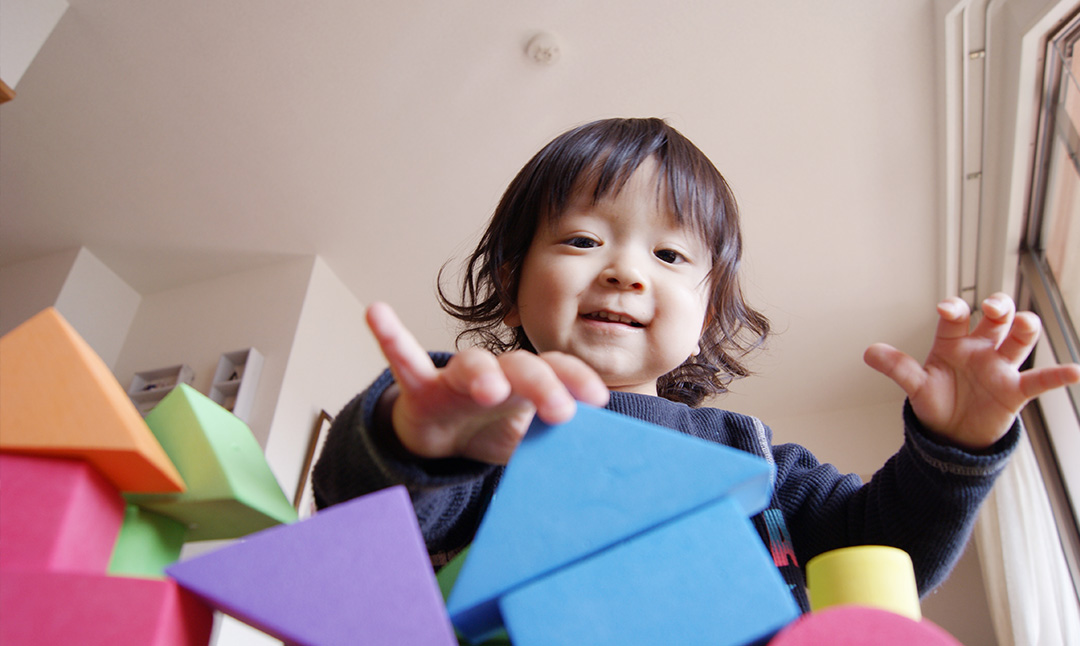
pixel 924 500
pixel 448 495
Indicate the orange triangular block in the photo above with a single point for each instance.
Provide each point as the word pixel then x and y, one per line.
pixel 58 398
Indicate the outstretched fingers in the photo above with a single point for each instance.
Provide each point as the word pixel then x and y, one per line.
pixel 1040 380
pixel 999 312
pixel 477 374
pixel 894 364
pixel 535 379
pixel 410 363
pixel 580 379
pixel 550 382
pixel 1022 336
pixel 954 319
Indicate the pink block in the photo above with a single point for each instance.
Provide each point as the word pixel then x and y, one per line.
pixel 58 514
pixel 861 626
pixel 49 608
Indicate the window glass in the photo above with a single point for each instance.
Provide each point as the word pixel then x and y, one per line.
pixel 1050 282
pixel 1059 239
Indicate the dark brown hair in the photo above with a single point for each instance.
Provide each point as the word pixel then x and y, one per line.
pixel 602 155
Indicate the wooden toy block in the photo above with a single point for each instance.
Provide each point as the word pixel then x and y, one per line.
pixel 58 398
pixel 574 489
pixel 355 573
pixel 56 514
pixel 861 626
pixel 703 578
pixel 50 608
pixel 147 544
pixel 231 490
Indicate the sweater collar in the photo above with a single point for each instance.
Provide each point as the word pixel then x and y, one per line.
pixel 645 407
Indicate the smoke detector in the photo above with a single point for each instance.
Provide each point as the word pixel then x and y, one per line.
pixel 543 48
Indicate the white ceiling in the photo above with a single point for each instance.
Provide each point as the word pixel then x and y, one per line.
pixel 183 140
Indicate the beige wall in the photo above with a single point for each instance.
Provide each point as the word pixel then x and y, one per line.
pixel 197 323
pixel 28 287
pixel 99 304
pixel 91 296
pixel 333 357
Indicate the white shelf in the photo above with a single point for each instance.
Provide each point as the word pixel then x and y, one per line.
pixel 235 381
pixel 150 386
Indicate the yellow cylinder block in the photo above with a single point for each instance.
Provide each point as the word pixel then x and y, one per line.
pixel 866 575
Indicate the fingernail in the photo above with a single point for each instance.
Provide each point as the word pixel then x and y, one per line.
pixel 997 305
pixel 950 308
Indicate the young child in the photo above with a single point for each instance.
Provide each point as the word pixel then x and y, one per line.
pixel 609 275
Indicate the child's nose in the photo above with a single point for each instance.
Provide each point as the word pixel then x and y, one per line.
pixel 623 277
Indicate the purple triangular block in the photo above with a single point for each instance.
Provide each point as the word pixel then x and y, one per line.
pixel 355 573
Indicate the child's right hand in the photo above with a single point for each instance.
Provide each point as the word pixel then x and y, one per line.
pixel 480 405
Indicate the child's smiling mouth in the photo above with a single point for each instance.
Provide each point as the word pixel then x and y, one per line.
pixel 612 317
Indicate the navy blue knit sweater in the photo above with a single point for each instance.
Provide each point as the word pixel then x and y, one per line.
pixel 923 500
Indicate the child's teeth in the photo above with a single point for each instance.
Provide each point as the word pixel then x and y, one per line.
pixel 615 318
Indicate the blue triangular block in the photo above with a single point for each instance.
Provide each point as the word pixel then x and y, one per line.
pixel 703 578
pixel 574 489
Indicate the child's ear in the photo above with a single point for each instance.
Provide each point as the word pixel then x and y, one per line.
pixel 704 328
pixel 512 318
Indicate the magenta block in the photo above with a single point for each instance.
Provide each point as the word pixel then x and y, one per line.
pixel 860 626
pixel 57 514
pixel 51 608
pixel 356 573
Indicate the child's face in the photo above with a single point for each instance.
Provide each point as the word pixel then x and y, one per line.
pixel 618 284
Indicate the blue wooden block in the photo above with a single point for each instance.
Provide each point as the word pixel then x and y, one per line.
pixel 574 489
pixel 704 578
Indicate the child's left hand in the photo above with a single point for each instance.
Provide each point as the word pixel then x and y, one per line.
pixel 970 389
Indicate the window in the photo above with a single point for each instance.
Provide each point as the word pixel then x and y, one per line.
pixel 1049 280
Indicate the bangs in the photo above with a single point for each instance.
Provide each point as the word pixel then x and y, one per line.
pixel 599 159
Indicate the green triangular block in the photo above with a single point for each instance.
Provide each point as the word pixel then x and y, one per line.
pixel 231 490
pixel 446 578
pixel 148 543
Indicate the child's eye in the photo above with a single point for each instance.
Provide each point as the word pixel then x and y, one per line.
pixel 581 242
pixel 669 256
